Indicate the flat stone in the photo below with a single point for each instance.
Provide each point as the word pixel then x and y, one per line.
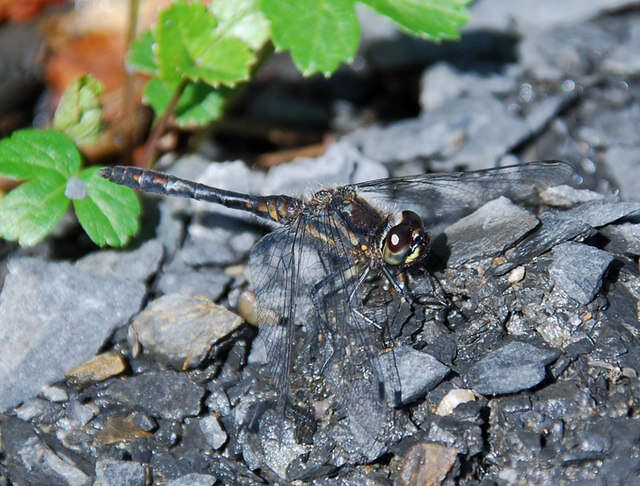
pixel 54 317
pixel 560 226
pixel 180 329
pixel 426 463
pixel 120 473
pixel 418 372
pixel 578 270
pixel 54 393
pixel 98 368
pixel 613 127
pixel 164 394
pixel 564 196
pixel 488 231
pixel 624 238
pixel 209 282
pixel 442 83
pixel 213 431
pixel 566 51
pixel 623 160
pixel 193 479
pixel 138 264
pixel 513 367
pixel 474 131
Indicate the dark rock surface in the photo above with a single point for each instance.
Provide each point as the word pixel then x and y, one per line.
pixel 512 359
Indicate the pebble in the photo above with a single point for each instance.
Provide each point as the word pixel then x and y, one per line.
pixel 426 464
pixel 99 368
pixel 120 473
pixel 578 269
pixel 513 367
pixel 180 329
pixel 212 430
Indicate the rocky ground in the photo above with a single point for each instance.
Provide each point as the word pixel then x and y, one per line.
pixel 133 367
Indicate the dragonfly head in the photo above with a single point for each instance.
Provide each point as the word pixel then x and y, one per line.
pixel 405 242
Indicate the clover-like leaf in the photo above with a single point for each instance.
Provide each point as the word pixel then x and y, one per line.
pixel 30 154
pixel 109 213
pixel 79 112
pixel 198 105
pixel 319 33
pixel 242 19
pixel 189 46
pixel 30 211
pixel 433 19
pixel 140 56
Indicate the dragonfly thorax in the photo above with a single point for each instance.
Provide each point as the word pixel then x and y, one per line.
pixel 406 242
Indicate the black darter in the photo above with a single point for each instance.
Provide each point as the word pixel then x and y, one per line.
pixel 325 249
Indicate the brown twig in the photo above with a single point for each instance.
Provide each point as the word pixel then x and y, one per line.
pixel 128 102
pixel 161 127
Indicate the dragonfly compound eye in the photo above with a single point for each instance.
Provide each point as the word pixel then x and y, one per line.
pixel 405 242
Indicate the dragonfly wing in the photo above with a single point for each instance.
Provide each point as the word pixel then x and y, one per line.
pixel 442 199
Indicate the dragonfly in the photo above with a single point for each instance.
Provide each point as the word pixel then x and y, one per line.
pixel 324 248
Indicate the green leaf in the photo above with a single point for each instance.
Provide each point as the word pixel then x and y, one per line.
pixel 109 213
pixel 190 46
pixel 140 56
pixel 319 33
pixel 242 19
pixel 79 112
pixel 30 154
pixel 433 19
pixel 30 211
pixel 199 104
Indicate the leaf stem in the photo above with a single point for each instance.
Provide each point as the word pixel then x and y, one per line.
pixel 161 126
pixel 128 103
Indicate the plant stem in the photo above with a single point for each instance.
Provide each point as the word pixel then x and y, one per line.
pixel 128 103
pixel 161 127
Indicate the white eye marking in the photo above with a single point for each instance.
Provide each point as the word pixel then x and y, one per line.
pixel 395 239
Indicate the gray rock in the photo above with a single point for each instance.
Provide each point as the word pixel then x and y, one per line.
pixel 30 459
pixel 513 367
pixel 193 479
pixel 560 226
pixel 208 282
pixel 138 264
pixel 164 394
pixel 442 83
pixel 613 127
pixel 623 160
pixel 213 432
pixel 54 393
pixel 496 15
pixel 217 240
pixel 625 57
pixel 179 329
pixel 625 238
pixel 564 196
pixel 120 473
pixel 474 131
pixel 578 269
pixel 418 372
pixel 574 50
pixel 54 317
pixel 488 231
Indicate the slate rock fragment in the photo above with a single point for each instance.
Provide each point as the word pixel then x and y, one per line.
pixel 426 463
pixel 193 479
pixel 213 432
pixel 418 372
pixel 578 269
pixel 164 394
pixel 120 473
pixel 488 231
pixel 138 264
pixel 180 329
pixel 209 282
pixel 513 367
pixel 54 317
